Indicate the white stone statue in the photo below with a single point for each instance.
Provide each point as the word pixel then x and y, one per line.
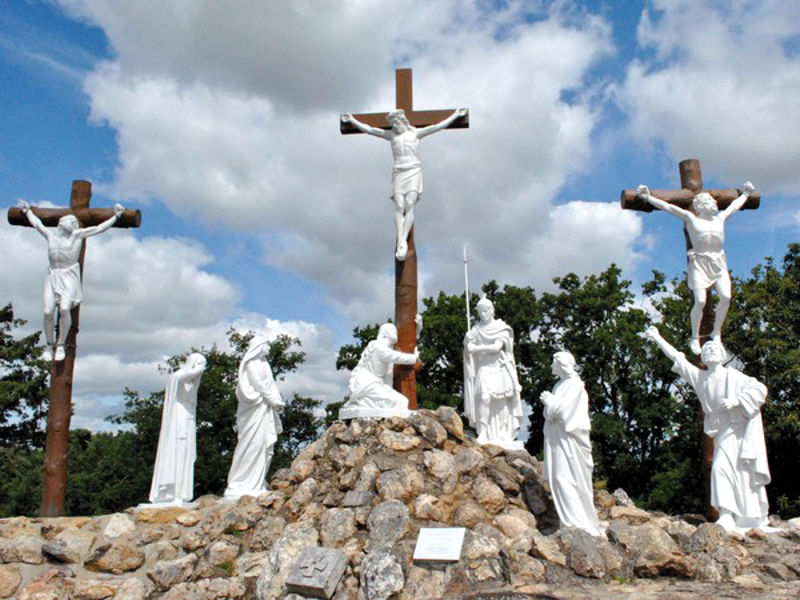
pixel 257 421
pixel 173 473
pixel 707 263
pixel 492 401
pixel 731 403
pixel 371 391
pixel 62 285
pixel 568 459
pixel 406 168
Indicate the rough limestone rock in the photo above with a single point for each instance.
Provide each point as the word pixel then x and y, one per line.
pixel 283 554
pixel 381 575
pixel 448 417
pixel 588 555
pixel 161 515
pixel 70 545
pixel 402 484
pixel 652 551
pixel 429 508
pixel 338 525
pixel 209 589
pixel 23 549
pixel 96 589
pixel 428 427
pixel 118 524
pixel 10 578
pixel 119 556
pixel 168 573
pixel 387 523
pixel 366 487
pixel 489 495
pixel 132 589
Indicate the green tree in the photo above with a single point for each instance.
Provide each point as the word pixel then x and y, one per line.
pixel 23 408
pixel 23 385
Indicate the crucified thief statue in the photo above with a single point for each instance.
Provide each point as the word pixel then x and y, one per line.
pixel 707 263
pixel 62 285
pixel 406 168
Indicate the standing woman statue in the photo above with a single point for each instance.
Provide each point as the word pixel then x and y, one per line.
pixel 492 400
pixel 62 285
pixel 568 459
pixel 257 422
pixel 707 263
pixel 173 473
pixel 406 168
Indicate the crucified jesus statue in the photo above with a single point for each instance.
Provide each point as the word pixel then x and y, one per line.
pixel 406 168
pixel 707 263
pixel 62 285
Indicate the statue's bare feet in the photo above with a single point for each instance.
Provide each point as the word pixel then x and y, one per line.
pixel 60 353
pixel 694 345
pixel 402 250
pixel 47 354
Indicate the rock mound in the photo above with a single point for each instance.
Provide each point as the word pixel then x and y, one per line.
pixel 366 488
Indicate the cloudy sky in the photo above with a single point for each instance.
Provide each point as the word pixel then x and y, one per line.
pixel 220 122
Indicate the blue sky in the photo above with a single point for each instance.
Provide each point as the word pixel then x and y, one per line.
pixel 222 127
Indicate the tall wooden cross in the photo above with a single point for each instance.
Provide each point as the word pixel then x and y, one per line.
pixel 60 411
pixel 691 185
pixel 405 279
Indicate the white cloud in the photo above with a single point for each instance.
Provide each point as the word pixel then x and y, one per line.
pixel 232 116
pixel 722 85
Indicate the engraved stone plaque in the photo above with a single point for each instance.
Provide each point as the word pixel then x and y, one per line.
pixel 317 572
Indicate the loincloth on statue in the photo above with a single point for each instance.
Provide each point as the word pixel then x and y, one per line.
pixel 706 268
pixel 65 284
pixel 407 179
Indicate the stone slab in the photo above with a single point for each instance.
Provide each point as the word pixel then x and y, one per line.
pixel 355 498
pixel 439 544
pixel 317 572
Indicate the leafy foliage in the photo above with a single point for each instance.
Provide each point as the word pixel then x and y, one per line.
pixel 23 386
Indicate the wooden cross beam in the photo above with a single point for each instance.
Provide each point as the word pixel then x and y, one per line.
pixel 405 294
pixel 60 411
pixel 691 185
pixel 404 99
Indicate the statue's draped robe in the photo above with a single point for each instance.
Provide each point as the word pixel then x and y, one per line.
pixel 492 402
pixel 258 424
pixel 568 455
pixel 371 392
pixel 739 469
pixel 173 472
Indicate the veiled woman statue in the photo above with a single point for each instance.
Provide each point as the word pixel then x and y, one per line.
pixel 257 421
pixel 567 450
pixel 173 472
